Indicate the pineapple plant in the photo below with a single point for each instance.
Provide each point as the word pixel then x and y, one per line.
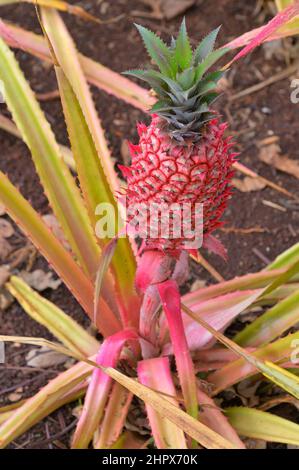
pixel 183 156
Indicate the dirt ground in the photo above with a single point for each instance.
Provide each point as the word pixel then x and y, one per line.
pixel 269 229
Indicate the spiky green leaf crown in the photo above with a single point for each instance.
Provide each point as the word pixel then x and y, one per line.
pixel 184 88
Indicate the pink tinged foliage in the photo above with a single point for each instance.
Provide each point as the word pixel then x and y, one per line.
pixel 171 302
pixel 115 417
pixel 215 246
pixel 214 358
pixel 240 369
pixel 155 373
pixel 213 417
pixel 219 313
pixel 96 73
pixel 264 33
pixel 99 387
pixel 60 259
pixel 153 267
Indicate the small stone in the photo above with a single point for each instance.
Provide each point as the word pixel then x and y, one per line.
pixel 15 396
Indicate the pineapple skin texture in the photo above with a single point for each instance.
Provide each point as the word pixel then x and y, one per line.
pixel 163 171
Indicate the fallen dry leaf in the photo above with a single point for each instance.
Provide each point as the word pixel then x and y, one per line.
pixel 273 205
pixel 44 357
pixel 167 9
pixel 54 226
pixel 40 280
pixel 6 228
pixel 26 254
pixel 245 231
pixel 173 8
pixel 248 184
pixel 255 443
pixel 4 275
pixel 5 248
pixel 271 155
pixel 198 284
pixel 6 299
pixel 77 410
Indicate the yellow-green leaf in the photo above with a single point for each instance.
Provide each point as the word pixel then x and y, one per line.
pixel 262 425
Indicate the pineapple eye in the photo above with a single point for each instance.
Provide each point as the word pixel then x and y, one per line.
pixel 196 172
pixel 153 159
pixel 169 166
pixel 180 178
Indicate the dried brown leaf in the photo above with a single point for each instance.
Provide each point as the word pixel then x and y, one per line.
pixel 54 226
pixel 40 280
pixel 5 248
pixel 15 396
pixel 248 184
pixel 4 275
pixel 271 155
pixel 173 8
pixel 6 299
pixel 167 9
pixel 6 228
pixel 44 357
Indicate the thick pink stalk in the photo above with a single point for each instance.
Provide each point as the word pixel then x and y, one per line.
pixel 219 313
pixel 171 302
pixel 99 387
pixel 153 267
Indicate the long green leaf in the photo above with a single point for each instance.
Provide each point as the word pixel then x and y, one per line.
pixel 62 326
pixel 288 257
pixel 7 125
pixel 206 46
pixel 262 425
pixel 281 377
pixel 48 399
pixel 96 73
pixel 58 183
pixel 66 54
pixel 61 260
pixel 235 371
pixel 272 323
pixel 89 149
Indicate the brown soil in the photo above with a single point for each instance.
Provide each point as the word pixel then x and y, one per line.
pixel 116 45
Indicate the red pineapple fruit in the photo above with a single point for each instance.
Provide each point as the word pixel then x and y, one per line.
pixel 183 156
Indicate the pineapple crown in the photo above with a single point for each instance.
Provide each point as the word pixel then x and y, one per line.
pixel 184 87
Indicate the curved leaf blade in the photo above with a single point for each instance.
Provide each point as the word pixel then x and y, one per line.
pixel 62 326
pixel 262 425
pixel 55 177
